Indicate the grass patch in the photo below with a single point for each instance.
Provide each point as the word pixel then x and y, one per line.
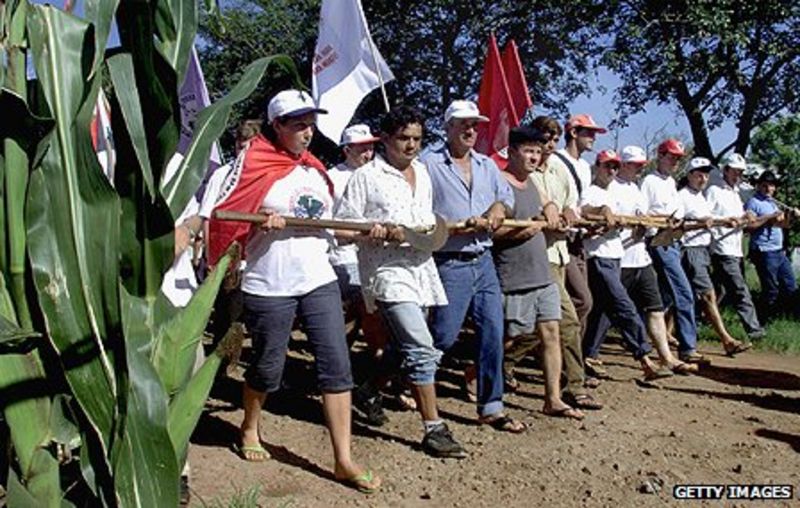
pixel 252 497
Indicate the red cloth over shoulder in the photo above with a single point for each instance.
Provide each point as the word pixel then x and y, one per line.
pixel 254 173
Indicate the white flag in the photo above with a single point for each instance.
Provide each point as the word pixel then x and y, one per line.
pixel 347 66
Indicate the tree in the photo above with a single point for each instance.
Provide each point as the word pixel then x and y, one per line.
pixel 723 60
pixel 435 48
pixel 776 146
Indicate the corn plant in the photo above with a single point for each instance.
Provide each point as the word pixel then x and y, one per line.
pixel 96 366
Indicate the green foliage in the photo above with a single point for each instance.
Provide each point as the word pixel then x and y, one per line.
pixel 105 363
pixel 436 49
pixel 720 61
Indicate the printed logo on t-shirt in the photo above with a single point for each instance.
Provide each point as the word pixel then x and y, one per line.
pixel 306 205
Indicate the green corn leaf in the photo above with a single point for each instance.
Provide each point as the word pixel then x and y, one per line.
pixel 176 27
pixel 72 219
pixel 14 339
pixel 208 127
pixel 187 405
pixel 145 467
pixel 173 353
pixel 41 489
pixel 120 67
pixel 101 14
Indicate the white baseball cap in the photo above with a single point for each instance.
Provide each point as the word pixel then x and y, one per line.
pixel 464 109
pixel 635 154
pixel 357 134
pixel 291 103
pixel 735 161
pixel 701 164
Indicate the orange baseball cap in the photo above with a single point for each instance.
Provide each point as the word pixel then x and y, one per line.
pixel 672 146
pixel 583 122
pixel 608 156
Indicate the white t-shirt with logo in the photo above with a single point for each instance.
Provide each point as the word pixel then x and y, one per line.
pixel 293 261
pixel 608 245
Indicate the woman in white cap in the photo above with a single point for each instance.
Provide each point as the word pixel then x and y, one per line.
pixel 288 274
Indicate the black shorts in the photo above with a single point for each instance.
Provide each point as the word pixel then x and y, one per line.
pixel 696 262
pixel 642 286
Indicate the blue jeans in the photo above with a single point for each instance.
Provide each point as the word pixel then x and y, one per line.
pixel 472 286
pixel 412 339
pixel 612 305
pixel 269 320
pixel 676 292
pixel 776 276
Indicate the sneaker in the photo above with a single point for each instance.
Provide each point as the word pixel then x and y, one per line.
pixel 372 409
pixel 439 442
pixel 757 335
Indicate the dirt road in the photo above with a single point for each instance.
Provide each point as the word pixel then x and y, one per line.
pixel 736 423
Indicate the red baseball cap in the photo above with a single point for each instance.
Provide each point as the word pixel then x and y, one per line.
pixel 672 146
pixel 608 156
pixel 583 122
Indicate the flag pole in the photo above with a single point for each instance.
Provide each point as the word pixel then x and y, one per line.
pixel 374 53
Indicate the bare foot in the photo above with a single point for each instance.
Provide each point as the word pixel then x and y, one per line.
pixel 356 477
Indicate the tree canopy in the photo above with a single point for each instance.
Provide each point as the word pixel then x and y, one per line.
pixel 718 61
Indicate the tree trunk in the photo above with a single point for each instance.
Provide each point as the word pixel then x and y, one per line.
pixel 702 145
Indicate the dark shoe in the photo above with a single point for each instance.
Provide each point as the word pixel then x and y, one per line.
pixel 694 357
pixel 186 496
pixel 371 409
pixel 440 443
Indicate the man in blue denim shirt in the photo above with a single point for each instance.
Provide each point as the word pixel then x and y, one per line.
pixel 468 186
pixel 766 247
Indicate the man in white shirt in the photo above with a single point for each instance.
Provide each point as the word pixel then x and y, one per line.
pixel 604 250
pixel 661 194
pixel 637 274
pixel 580 132
pixel 358 146
pixel 726 248
pixel 401 282
pixel 695 252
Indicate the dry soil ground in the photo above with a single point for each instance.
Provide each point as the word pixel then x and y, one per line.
pixel 736 423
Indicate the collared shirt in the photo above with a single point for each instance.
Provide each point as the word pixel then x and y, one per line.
pixel 631 201
pixel 455 201
pixel 389 272
pixel 554 184
pixel 609 244
pixel 342 254
pixel 766 238
pixel 725 202
pixel 695 206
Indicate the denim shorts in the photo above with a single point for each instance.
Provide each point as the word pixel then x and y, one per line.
pixel 269 320
pixel 523 309
pixel 411 338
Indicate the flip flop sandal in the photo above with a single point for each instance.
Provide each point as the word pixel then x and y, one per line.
pixel 505 423
pixel 252 453
pixel 564 412
pixel 684 369
pixel 512 383
pixel 662 373
pixel 739 347
pixel 591 382
pixel 585 401
pixel 361 482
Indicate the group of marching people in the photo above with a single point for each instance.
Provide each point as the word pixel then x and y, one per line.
pixel 536 259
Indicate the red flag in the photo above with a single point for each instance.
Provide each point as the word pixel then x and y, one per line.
pixel 515 76
pixel 494 101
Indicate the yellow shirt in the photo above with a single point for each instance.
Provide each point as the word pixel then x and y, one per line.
pixel 554 185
